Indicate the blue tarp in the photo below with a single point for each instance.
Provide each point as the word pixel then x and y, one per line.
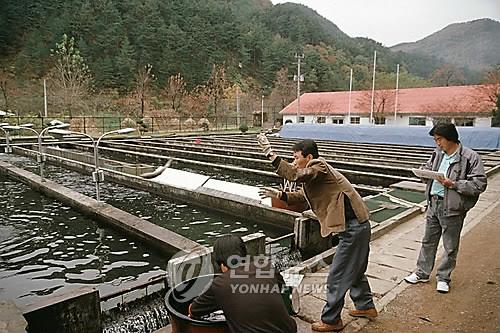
pixel 472 137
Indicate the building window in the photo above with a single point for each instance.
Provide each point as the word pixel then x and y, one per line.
pixel 379 120
pixel 441 120
pixel 321 120
pixel 337 121
pixel 416 121
pixel 355 120
pixel 301 119
pixel 464 121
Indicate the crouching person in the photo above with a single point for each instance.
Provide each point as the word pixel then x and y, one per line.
pixel 249 294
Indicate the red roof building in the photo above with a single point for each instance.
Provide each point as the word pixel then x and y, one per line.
pixel 415 106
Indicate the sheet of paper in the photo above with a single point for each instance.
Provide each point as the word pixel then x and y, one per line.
pixel 292 279
pixel 422 173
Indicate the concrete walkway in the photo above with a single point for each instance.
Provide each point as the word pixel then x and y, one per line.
pixel 392 257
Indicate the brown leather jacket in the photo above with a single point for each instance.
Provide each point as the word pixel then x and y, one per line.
pixel 324 189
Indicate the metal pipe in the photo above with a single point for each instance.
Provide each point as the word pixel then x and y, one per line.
pixel 96 170
pixel 8 149
pixel 98 175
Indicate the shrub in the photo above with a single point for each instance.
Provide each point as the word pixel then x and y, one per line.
pixel 204 123
pixel 190 123
pixel 127 122
pixel 144 124
pixel 243 127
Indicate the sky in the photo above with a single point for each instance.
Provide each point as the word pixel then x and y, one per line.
pixel 396 21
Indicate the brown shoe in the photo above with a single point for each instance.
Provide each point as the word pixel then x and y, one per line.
pixel 368 313
pixel 320 326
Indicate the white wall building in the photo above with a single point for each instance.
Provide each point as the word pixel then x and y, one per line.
pixel 462 105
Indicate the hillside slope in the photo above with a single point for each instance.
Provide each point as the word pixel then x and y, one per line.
pixel 474 44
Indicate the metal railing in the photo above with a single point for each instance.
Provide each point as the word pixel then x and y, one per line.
pixel 99 124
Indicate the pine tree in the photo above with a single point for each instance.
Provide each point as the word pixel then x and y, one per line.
pixel 125 67
pixel 71 76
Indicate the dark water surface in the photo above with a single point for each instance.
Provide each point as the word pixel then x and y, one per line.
pixel 200 225
pixel 47 247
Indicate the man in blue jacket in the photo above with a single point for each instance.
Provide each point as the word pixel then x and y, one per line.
pixel 449 200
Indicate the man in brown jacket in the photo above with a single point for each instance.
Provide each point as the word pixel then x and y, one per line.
pixel 340 209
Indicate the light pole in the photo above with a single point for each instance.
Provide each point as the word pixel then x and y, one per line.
pixel 7 149
pixel 96 168
pixel 7 128
pixel 262 112
pixel 300 78
pixel 396 97
pixel 40 158
pixel 373 86
pixel 238 116
pixel 98 175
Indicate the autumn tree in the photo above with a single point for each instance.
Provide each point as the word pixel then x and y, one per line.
pixel 491 85
pixel 216 86
pixel 383 98
pixel 6 77
pixel 175 91
pixel 71 76
pixel 284 91
pixel 447 75
pixel 143 80
pixel 495 122
pixel 489 93
pixel 196 101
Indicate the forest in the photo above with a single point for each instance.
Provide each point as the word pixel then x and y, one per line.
pixel 192 58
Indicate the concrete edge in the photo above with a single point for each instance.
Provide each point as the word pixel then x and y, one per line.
pixel 325 258
pixel 236 205
pixel 160 238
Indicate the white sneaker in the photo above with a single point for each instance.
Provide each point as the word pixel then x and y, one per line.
pixel 443 287
pixel 414 278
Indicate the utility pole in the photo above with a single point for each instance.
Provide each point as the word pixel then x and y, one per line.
pixel 396 97
pixel 45 97
pixel 238 105
pixel 373 86
pixel 238 116
pixel 299 78
pixel 350 94
pixel 262 112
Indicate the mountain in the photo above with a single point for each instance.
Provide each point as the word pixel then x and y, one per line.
pixel 474 44
pixel 302 24
pixel 254 40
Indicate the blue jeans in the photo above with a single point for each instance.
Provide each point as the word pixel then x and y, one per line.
pixel 347 271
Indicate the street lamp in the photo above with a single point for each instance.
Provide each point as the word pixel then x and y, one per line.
pixel 262 112
pixel 40 158
pixel 6 128
pixel 8 148
pixel 6 113
pixel 98 175
pixel 61 132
